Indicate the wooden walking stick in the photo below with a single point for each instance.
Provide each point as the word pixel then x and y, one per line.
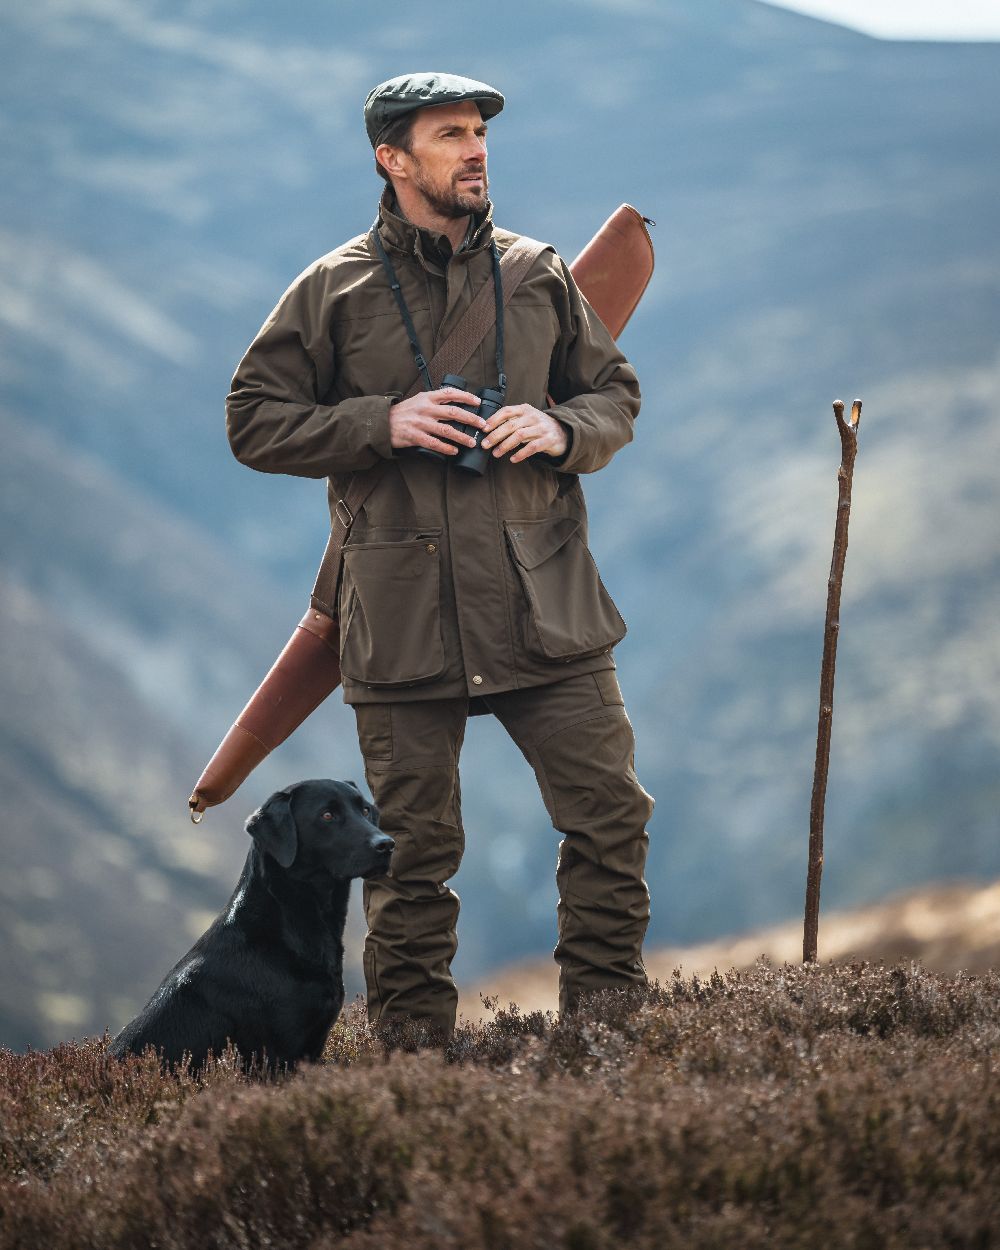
pixel 845 474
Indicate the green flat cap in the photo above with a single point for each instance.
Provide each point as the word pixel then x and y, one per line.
pixel 399 96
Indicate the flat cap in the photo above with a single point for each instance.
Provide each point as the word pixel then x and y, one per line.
pixel 398 96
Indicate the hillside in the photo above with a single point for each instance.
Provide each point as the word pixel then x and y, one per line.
pixel 826 209
pixel 953 929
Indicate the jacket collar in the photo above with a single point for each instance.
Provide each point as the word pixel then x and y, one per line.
pixel 428 245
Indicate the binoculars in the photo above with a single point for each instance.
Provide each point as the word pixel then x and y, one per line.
pixel 469 459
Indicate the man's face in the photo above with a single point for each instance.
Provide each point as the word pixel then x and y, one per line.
pixel 446 163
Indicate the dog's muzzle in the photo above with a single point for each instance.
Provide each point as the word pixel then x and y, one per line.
pixel 382 849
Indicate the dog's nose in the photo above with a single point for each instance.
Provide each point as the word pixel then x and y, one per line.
pixel 383 844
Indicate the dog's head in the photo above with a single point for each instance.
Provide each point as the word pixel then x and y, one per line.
pixel 322 827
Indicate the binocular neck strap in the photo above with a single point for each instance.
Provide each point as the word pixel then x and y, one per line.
pixel 411 332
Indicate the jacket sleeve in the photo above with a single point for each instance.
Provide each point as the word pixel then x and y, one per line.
pixel 595 388
pixel 274 415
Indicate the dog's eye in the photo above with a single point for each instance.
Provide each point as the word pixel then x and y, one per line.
pixel 328 815
pixel 366 812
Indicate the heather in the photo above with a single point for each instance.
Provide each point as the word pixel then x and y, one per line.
pixel 837 1106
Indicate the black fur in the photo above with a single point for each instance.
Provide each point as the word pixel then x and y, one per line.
pixel 268 973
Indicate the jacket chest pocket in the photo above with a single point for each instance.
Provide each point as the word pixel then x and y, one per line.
pixel 570 614
pixel 390 627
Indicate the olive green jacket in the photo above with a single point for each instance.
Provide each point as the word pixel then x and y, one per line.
pixel 451 583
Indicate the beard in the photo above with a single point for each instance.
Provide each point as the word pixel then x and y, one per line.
pixel 451 199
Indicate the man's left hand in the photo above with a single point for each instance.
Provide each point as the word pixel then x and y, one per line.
pixel 527 429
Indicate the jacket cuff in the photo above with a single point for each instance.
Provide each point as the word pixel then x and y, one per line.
pixel 572 460
pixel 559 462
pixel 379 437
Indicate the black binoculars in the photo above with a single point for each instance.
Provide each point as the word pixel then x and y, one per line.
pixel 469 459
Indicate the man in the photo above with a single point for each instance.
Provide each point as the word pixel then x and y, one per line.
pixel 460 593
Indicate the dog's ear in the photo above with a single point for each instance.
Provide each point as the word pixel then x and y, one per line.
pixel 353 785
pixel 273 828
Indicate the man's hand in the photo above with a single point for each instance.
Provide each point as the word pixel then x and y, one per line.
pixel 531 430
pixel 419 421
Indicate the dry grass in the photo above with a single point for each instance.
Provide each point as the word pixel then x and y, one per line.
pixel 819 1107
pixel 946 928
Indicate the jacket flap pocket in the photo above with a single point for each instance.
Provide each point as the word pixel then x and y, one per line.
pixel 391 627
pixel 534 542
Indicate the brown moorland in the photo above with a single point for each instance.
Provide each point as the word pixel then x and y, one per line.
pixel 849 1106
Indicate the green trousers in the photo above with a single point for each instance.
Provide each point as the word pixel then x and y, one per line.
pixel 577 738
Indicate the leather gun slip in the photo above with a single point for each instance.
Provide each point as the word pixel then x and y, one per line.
pixel 612 271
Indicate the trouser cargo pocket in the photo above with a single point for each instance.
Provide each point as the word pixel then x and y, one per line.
pixel 569 612
pixel 391 618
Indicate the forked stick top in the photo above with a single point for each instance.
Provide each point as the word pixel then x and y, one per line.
pixel 851 426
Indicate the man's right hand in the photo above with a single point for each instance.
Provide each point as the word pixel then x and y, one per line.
pixel 419 421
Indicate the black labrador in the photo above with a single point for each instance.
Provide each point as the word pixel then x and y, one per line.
pixel 268 973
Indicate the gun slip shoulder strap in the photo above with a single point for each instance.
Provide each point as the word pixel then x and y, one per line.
pixel 453 354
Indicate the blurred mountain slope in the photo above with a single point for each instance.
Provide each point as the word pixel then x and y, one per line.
pixel 100 884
